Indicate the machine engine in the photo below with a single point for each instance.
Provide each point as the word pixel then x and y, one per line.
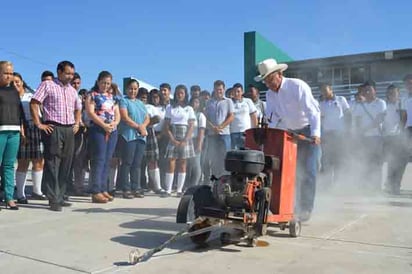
pixel 230 190
pixel 233 191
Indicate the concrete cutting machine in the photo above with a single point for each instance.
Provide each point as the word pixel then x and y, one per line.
pixel 259 191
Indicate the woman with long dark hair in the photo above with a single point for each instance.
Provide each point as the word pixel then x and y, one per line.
pixel 194 169
pixel 152 147
pixel 179 120
pixel 30 150
pixel 103 110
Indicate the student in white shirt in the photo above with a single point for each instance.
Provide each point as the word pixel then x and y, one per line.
pixel 394 140
pixel 354 139
pixel 162 137
pixel 31 150
pixel 179 120
pixel 334 112
pixel 368 120
pixel 407 80
pixel 290 105
pixel 152 148
pixel 194 169
pixel 355 106
pixel 244 117
pixel 407 106
pixel 253 94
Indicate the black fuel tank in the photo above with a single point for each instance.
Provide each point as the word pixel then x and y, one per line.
pixel 245 161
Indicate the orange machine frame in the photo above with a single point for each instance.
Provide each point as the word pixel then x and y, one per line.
pixel 281 145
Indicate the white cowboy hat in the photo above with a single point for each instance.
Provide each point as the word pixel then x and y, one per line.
pixel 268 66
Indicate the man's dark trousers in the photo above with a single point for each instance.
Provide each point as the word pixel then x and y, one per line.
pixel 58 156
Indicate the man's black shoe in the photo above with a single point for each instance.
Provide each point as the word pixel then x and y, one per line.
pixel 65 204
pixel 65 197
pixel 55 207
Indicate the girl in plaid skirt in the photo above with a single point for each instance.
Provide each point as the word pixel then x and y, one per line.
pixel 31 149
pixel 152 147
pixel 179 120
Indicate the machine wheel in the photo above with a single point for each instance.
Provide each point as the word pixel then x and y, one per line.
pixel 294 228
pixel 201 238
pixel 186 210
pixel 193 199
pixel 263 201
pixel 225 238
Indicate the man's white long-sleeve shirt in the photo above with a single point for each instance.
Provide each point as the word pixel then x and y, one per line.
pixel 293 107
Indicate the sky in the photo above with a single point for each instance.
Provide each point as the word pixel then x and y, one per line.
pixel 189 42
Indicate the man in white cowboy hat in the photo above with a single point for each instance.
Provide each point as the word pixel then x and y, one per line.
pixel 290 105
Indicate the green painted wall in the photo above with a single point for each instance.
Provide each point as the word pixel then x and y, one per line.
pixel 125 81
pixel 256 49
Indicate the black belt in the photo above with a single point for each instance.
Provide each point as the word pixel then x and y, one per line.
pixel 57 124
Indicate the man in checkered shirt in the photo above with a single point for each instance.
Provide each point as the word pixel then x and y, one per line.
pixel 61 118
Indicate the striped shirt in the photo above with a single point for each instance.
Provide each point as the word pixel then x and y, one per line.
pixel 59 102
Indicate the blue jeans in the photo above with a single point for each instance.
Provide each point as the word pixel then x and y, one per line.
pixel 306 173
pixel 131 154
pixel 9 146
pixel 101 154
pixel 217 148
pixel 237 140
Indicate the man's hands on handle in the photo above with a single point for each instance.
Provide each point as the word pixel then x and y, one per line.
pixel 300 137
pixel 316 140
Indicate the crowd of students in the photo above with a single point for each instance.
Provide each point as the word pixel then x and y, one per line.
pixel 133 143
pixel 150 141
pixel 358 137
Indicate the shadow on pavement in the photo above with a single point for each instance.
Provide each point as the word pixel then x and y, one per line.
pixel 153 224
pixel 399 204
pixel 164 212
pixel 143 239
pixel 43 206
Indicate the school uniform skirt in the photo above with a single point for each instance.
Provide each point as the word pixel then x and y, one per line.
pixel 180 152
pixel 33 147
pixel 152 148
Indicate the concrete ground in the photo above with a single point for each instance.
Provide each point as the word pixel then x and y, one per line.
pixel 348 233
